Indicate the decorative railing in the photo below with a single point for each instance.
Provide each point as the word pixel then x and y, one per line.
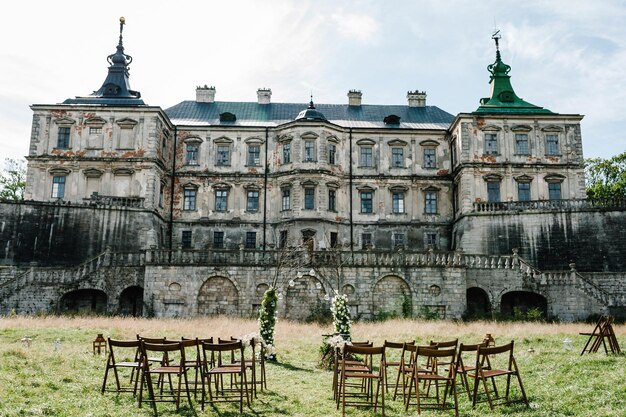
pixel 108 200
pixel 546 205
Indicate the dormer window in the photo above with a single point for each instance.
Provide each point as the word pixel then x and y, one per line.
pixel 227 117
pixel 392 119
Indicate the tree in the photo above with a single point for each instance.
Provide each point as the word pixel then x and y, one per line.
pixel 606 178
pixel 13 179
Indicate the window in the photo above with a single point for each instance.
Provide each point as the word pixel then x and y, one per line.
pixel 309 150
pixel 397 199
pixel 332 200
pixel 521 144
pixel 161 194
pixel 95 130
pixel 397 157
pixel 253 201
pixel 286 153
pixel 163 142
pixel 223 155
pixel 58 186
pixel 282 239
pixel 398 240
pixel 552 145
pixel 491 143
pixel 367 157
pixel 189 199
pixel 333 239
pixel 63 141
pixel 191 154
pixel 250 240
pixel 523 191
pixel 430 158
pixel 430 239
pixel 221 200
pixel 254 155
pixel 218 240
pixel 286 199
pixel 186 239
pixel 366 240
pixel 554 190
pixel 366 202
pixel 332 152
pixel 309 198
pixel 493 191
pixel 430 202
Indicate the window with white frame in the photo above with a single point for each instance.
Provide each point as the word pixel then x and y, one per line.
pixel 366 159
pixel 191 154
pixel 397 202
pixel 332 200
pixel 221 200
pixel 430 240
pixel 58 186
pixel 63 138
pixel 430 202
pixel 430 158
pixel 286 199
pixel 252 201
pixel 397 157
pixel 523 191
pixel 493 191
pixel 491 143
pixel 254 155
pixel 554 190
pixel 189 199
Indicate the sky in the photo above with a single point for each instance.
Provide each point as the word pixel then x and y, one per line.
pixel 566 55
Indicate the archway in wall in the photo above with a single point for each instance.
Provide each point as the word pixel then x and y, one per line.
pixel 392 298
pixel 524 301
pixel 218 295
pixel 131 301
pixel 305 299
pixel 86 301
pixel 478 304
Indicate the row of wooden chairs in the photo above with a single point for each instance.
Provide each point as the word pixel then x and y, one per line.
pixel 221 370
pixel 426 375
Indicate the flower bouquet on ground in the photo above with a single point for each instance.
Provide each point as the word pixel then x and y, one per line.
pixel 342 334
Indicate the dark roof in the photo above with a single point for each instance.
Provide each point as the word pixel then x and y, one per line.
pixel 192 113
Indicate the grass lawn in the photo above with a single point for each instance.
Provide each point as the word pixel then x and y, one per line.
pixel 64 379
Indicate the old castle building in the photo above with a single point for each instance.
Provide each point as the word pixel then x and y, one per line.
pixel 134 209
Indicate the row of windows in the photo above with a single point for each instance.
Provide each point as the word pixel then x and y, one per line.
pixel 366 197
pixel 523 191
pixel 398 240
pixel 522 146
pixel 366 155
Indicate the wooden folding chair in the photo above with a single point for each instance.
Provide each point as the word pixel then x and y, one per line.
pixel 212 377
pixel 603 330
pixel 408 363
pixel 353 364
pixel 463 368
pixel 120 354
pixel 492 363
pixel 391 361
pixel 442 377
pixel 362 393
pixel 173 365
pixel 250 362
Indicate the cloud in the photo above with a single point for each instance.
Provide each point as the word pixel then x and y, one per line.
pixel 360 27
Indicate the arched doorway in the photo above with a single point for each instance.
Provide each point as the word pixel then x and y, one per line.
pixel 218 295
pixel 392 298
pixel 478 304
pixel 84 301
pixel 131 301
pixel 519 302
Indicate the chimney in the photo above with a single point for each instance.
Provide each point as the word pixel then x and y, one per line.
pixel 354 98
pixel 264 95
pixel 205 94
pixel 416 98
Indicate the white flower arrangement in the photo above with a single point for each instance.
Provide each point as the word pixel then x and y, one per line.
pixel 341 315
pixel 249 339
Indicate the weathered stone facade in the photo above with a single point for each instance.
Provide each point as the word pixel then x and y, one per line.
pixel 132 209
